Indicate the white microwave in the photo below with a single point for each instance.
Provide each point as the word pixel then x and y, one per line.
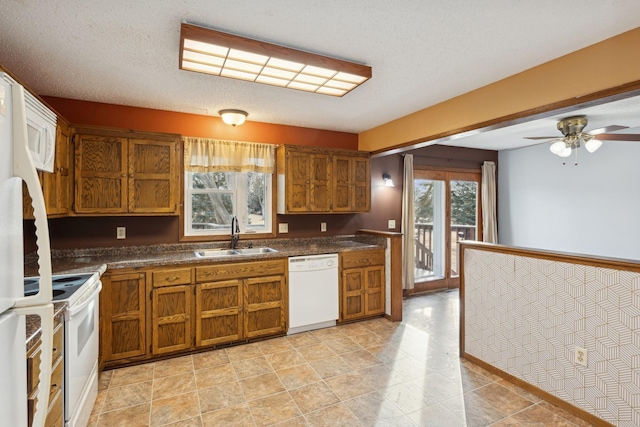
pixel 41 129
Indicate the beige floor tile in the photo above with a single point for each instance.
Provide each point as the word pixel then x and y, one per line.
pixel 343 345
pixel 438 388
pixel 273 409
pixel 132 375
pixel 332 416
pixel 316 352
pixel 351 329
pixel 349 385
pixel 381 376
pixel 298 376
pixel 251 367
pixel 100 398
pixel 477 411
pixel 406 396
pixel 293 422
pixel 261 386
pixel 174 409
pixel 360 359
pixel 285 359
pixel 368 339
pixel 512 422
pixel 173 366
pixel 128 395
pixel 514 388
pixel 210 358
pixel 328 334
pixel 507 402
pixel 104 379
pixel 233 416
pixel 174 385
pixel 330 367
pixel 220 396
pixel 313 397
pixel 564 414
pixel 191 422
pixel 274 345
pixel 387 353
pixel 215 375
pixel 374 410
pixel 437 416
pixel 302 340
pixel 133 416
pixel 243 351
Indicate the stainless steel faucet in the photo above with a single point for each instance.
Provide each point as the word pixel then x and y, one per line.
pixel 235 232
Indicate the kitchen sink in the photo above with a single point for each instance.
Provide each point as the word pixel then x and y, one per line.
pixel 215 253
pixel 255 251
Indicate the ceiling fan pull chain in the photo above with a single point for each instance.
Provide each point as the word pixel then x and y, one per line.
pixel 576 163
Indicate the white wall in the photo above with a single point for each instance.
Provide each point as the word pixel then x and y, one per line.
pixel 592 208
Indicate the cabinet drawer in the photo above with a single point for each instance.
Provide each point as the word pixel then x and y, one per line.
pixel 178 276
pixel 33 370
pixel 54 417
pixel 239 270
pixel 56 379
pixel 58 344
pixel 357 259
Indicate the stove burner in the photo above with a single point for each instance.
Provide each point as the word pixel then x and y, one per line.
pixel 63 285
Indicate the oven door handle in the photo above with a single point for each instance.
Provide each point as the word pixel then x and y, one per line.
pixel 72 311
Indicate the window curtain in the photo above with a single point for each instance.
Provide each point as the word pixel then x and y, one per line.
pixel 216 155
pixel 489 217
pixel 408 243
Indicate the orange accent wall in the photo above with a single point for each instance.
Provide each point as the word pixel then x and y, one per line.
pixel 605 65
pixel 147 119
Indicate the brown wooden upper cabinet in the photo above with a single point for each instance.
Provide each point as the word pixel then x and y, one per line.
pixel 126 175
pixel 322 180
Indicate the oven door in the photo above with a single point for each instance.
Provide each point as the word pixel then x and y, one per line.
pixel 81 358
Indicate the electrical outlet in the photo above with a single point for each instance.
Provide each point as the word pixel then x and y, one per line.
pixel 392 224
pixel 323 226
pixel 121 232
pixel 581 356
pixel 283 227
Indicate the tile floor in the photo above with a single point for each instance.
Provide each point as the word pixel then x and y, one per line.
pixel 371 373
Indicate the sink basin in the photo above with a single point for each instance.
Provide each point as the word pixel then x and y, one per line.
pixel 215 253
pixel 255 251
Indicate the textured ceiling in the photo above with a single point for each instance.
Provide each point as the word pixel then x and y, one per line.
pixel 422 51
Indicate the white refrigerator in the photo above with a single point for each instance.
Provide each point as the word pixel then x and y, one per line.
pixel 16 166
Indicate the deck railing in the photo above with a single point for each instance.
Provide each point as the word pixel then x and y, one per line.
pixel 423 237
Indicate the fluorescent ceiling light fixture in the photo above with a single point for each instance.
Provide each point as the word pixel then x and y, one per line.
pixel 221 54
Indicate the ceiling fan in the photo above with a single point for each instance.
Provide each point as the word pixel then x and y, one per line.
pixel 572 129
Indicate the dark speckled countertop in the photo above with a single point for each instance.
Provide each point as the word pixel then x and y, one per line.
pixel 84 260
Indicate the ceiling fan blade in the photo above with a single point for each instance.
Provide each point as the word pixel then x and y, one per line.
pixel 618 137
pixel 606 129
pixel 539 137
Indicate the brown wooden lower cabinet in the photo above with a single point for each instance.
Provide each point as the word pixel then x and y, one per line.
pixel 172 318
pixel 54 413
pixel 123 316
pixel 219 309
pixel 362 289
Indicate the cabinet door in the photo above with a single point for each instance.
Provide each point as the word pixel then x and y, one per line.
pixel 219 308
pixel 361 185
pixel 171 317
pixel 374 290
pixel 56 185
pixel 123 312
pixel 153 176
pixel 342 184
pixel 100 174
pixel 297 182
pixel 264 300
pixel 320 183
pixel 353 282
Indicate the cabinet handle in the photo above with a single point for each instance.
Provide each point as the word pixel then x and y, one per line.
pixel 186 317
pixel 173 278
pixel 141 275
pixel 54 350
pixel 54 386
pixel 124 175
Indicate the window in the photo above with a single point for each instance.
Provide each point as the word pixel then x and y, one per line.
pixel 213 198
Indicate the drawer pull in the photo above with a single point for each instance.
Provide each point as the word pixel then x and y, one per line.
pixel 54 386
pixel 173 278
pixel 55 350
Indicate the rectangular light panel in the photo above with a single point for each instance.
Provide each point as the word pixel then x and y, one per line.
pixel 222 54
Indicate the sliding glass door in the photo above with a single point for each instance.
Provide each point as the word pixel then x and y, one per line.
pixel 447 210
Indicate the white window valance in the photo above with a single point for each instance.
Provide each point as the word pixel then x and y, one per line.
pixel 216 155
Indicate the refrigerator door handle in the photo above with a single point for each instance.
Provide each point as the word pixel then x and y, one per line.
pixel 24 168
pixel 46 324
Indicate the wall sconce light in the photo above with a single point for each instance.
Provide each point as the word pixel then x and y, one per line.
pixel 233 117
pixel 387 180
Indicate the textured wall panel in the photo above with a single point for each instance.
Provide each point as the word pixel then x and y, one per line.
pixel 526 315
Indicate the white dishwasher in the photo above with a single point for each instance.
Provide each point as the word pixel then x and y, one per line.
pixel 313 292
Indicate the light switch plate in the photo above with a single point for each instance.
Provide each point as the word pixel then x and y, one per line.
pixel 392 223
pixel 323 226
pixel 283 227
pixel 121 233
